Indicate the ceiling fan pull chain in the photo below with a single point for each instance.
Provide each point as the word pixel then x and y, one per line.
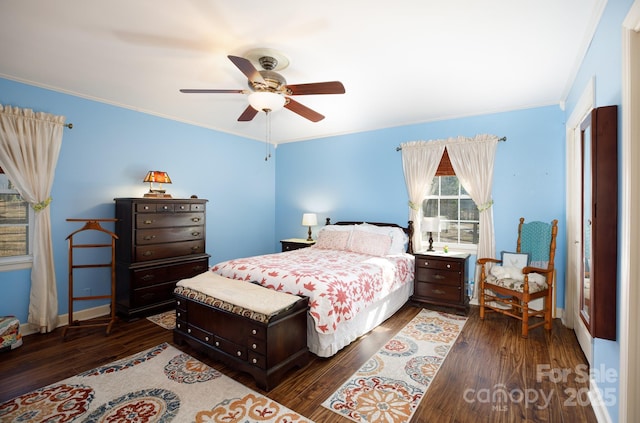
pixel 268 135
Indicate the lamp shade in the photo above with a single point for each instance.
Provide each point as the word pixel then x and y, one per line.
pixel 430 224
pixel 309 219
pixel 264 101
pixel 157 176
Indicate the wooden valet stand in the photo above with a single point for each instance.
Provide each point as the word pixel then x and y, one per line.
pixel 92 224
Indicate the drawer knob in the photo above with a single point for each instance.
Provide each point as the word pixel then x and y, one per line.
pixel 148 222
pixel 179 325
pixel 254 332
pixel 178 314
pixel 239 353
pixel 165 207
pixel 426 263
pixel 146 207
pixel 195 233
pixel 182 207
pixel 254 361
pixel 206 338
pixel 147 277
pixel 438 291
pixel 195 248
pixel 147 253
pixel 217 343
pixel 196 219
pixel 438 277
pixel 448 266
pixel 254 346
pixel 189 330
pixel 149 237
pixel 178 302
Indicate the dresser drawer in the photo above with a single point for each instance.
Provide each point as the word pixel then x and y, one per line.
pixel 438 291
pixel 150 276
pixel 257 360
pixel 176 249
pixel 438 276
pixel 187 270
pixel 159 220
pixel 200 334
pixel 160 235
pixel 430 263
pixel 153 294
pixel 257 345
pixel 229 347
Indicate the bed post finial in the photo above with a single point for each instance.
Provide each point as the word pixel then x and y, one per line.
pixel 410 233
pixel 328 222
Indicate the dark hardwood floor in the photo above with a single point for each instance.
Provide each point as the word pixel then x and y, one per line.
pixel 490 375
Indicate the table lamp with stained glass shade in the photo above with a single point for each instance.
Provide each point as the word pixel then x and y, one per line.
pixel 158 177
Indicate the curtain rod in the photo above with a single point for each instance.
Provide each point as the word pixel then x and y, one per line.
pixel 68 125
pixel 499 139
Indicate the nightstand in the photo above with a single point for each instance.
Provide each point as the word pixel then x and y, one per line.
pixel 295 243
pixel 440 279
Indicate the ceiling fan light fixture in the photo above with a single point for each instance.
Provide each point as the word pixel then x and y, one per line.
pixel 266 100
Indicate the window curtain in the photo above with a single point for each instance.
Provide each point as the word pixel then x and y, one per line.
pixel 29 148
pixel 420 161
pixel 472 160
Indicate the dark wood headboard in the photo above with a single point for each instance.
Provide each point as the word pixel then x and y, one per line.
pixel 408 230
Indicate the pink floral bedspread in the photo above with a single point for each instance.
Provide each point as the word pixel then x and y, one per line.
pixel 339 284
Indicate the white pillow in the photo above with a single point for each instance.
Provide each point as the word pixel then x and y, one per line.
pixel 333 240
pixel 399 239
pixel 370 243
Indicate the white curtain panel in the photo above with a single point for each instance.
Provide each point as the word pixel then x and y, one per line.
pixel 472 160
pixel 29 148
pixel 420 160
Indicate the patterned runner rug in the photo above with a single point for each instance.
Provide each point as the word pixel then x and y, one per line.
pixel 391 384
pixel 166 320
pixel 161 384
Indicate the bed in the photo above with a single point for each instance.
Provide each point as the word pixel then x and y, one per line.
pixel 356 276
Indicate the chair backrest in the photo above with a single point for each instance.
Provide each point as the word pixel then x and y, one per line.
pixel 538 239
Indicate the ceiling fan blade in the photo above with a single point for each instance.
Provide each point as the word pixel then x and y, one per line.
pixel 303 110
pixel 248 69
pixel 207 91
pixel 248 114
pixel 332 87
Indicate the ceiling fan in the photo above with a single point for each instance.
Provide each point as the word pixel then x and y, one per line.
pixel 268 90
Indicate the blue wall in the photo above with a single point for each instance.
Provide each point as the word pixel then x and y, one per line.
pixel 603 62
pixel 359 176
pixel 107 154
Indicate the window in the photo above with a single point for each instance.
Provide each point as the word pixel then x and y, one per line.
pixel 459 216
pixel 16 218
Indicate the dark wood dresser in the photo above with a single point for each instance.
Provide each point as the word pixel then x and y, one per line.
pixel 440 280
pixel 160 241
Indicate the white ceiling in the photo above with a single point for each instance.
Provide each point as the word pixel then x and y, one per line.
pixel 401 63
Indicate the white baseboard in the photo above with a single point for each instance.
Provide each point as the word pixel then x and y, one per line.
pixel 597 403
pixel 63 319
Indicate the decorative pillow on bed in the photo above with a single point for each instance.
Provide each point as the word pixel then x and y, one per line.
pixel 399 239
pixel 333 240
pixel 370 243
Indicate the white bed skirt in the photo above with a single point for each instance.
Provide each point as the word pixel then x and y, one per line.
pixel 327 345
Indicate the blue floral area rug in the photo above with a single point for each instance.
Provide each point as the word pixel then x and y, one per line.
pixel 160 385
pixel 391 384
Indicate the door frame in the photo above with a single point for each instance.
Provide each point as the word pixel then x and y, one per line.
pixel 629 327
pixel 571 317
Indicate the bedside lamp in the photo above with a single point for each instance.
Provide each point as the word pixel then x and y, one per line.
pixel 431 225
pixel 160 178
pixel 309 219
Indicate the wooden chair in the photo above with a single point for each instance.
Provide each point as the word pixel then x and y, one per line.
pixel 506 290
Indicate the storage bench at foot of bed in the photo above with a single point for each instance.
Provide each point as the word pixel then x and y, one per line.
pixel 266 350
